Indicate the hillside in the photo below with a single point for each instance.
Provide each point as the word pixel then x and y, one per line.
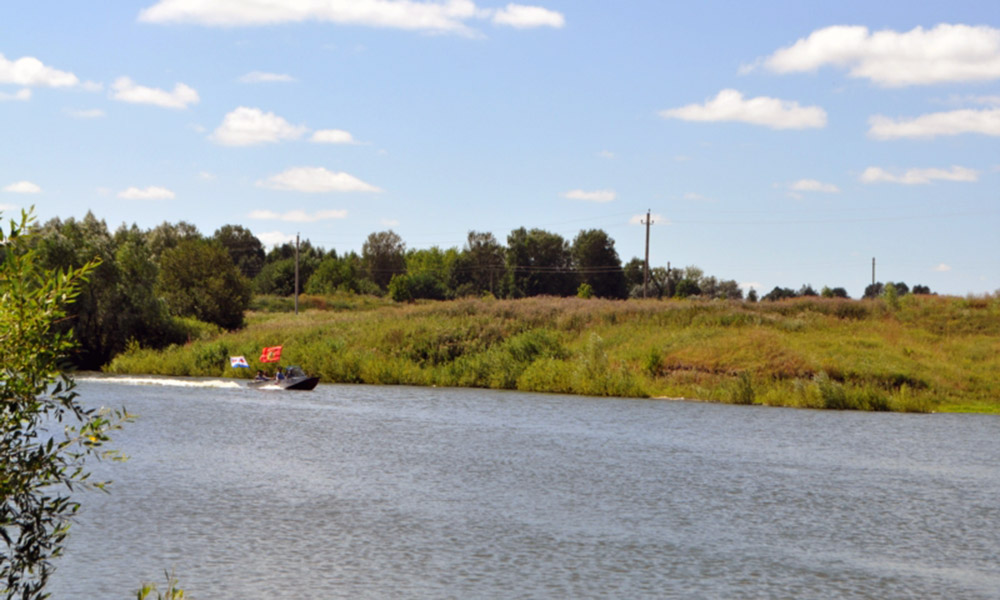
pixel 920 353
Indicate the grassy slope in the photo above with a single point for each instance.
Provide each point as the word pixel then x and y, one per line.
pixel 929 353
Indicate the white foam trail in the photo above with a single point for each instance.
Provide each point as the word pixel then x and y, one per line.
pixel 167 381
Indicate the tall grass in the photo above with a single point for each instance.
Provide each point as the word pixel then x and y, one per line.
pixel 927 353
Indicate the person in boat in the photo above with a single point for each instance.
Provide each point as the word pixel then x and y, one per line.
pixel 260 376
pixel 280 375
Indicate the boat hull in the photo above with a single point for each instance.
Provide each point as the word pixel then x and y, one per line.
pixel 292 383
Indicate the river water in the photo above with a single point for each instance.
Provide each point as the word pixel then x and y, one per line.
pixel 400 492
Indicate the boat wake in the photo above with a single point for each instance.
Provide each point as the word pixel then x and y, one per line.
pixel 164 381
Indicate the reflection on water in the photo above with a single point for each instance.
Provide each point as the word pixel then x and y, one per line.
pixel 389 492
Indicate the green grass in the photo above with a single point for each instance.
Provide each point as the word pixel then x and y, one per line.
pixel 923 354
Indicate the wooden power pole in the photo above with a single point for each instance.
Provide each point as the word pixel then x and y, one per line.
pixel 645 265
pixel 296 273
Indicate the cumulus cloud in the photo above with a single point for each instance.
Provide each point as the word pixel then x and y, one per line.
pixel 812 185
pixel 22 95
pixel 942 268
pixel 332 136
pixel 148 193
pixel 274 238
pixel 315 180
pixel 955 122
pixel 251 126
pixel 126 90
pixel 262 77
pixel 523 17
pixel 945 53
pixel 919 176
pixel 29 71
pixel 730 105
pixel 23 187
pixel 446 16
pixel 298 216
pixel 594 196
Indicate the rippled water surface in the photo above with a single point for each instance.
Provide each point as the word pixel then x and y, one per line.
pixel 397 492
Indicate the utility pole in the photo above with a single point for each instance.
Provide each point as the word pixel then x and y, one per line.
pixel 296 273
pixel 645 266
pixel 873 270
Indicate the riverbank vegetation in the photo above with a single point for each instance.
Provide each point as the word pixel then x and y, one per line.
pixel 912 353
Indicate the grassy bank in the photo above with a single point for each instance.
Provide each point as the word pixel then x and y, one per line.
pixel 922 353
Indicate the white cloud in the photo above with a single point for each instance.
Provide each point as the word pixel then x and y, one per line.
pixel 149 193
pixel 442 16
pixel 89 113
pixel 298 216
pixel 657 219
pixel 23 187
pixel 126 90
pixel 332 136
pixel 606 154
pixel 315 180
pixel 945 53
pixel 274 238
pixel 29 71
pixel 389 222
pixel 729 105
pixel 942 268
pixel 206 176
pixel 748 285
pixel 594 196
pixel 523 17
pixel 919 176
pixel 263 77
pixel 447 17
pixel 986 122
pixel 812 185
pixel 22 95
pixel 250 126
pixel 8 207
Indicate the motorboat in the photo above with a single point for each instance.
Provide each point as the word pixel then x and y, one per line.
pixel 294 379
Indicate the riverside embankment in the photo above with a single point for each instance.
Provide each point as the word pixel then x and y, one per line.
pixel 918 354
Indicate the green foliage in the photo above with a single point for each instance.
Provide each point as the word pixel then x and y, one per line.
pixel 243 247
pixel 597 262
pixel 171 593
pixel 198 279
pixel 742 390
pixel 480 267
pixel 117 303
pixel 539 263
pixel 39 468
pixel 383 255
pixel 585 291
pixel 891 296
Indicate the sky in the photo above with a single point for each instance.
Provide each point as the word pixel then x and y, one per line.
pixel 774 143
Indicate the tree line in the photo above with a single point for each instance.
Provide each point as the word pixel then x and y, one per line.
pixel 160 286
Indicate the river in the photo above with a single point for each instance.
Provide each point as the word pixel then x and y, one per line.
pixel 401 492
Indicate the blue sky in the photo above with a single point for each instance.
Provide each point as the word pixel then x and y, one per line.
pixel 776 143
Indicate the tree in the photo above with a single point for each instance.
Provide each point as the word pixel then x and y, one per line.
pixel 244 248
pixel 480 267
pixel 40 468
pixel 383 255
pixel 117 302
pixel 874 290
pixel 539 263
pixel 807 290
pixel 779 293
pixel 598 265
pixel 336 274
pixel 168 235
pixel 921 289
pixel 198 279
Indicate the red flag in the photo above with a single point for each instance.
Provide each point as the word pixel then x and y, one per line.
pixel 270 354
